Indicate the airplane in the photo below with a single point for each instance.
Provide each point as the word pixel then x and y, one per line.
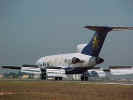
pixel 80 62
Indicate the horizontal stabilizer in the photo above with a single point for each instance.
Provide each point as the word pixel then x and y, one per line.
pixel 102 28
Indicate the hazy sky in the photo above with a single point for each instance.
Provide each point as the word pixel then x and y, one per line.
pixel 30 29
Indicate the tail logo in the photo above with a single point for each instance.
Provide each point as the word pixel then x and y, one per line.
pixel 95 42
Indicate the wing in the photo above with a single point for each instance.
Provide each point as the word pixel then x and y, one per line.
pixel 11 67
pixel 29 69
pixel 113 70
pixel 121 70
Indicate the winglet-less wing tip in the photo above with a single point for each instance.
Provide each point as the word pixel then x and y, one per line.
pixel 11 67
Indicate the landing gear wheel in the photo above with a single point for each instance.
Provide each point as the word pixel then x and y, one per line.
pixel 43 75
pixel 84 76
pixel 58 78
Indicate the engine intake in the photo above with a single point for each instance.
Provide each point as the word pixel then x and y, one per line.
pixel 99 60
pixel 75 60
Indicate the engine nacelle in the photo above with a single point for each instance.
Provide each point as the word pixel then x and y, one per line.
pixel 99 60
pixel 75 60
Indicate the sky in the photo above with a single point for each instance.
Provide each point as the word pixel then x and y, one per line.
pixel 30 29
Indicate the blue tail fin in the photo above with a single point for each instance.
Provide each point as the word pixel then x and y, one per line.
pixel 93 48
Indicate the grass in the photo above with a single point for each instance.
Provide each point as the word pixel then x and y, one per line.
pixel 51 90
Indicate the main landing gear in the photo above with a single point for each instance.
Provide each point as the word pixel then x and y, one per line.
pixel 84 76
pixel 58 78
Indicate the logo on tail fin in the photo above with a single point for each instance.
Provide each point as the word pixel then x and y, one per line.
pixel 95 42
pixel 93 48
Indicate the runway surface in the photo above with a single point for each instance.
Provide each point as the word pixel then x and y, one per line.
pixel 109 83
pixel 130 83
pixel 65 90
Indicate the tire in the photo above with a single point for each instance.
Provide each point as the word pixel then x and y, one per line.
pixel 84 78
pixel 58 78
pixel 43 76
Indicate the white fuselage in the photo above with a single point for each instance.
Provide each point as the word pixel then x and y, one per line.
pixel 65 60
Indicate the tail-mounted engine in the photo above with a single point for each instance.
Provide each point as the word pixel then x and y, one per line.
pixel 76 60
pixel 99 60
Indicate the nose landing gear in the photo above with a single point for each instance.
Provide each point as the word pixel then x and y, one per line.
pixel 43 74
